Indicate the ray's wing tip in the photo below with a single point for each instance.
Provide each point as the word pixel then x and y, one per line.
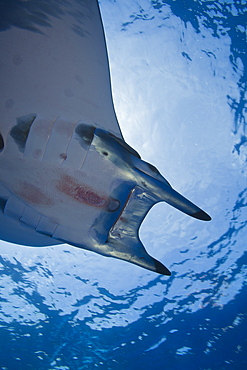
pixel 161 269
pixel 201 215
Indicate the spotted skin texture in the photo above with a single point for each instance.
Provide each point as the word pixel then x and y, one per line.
pixel 34 195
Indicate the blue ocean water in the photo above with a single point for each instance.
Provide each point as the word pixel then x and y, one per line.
pixel 179 82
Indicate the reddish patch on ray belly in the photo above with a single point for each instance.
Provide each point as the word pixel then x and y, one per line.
pixel 32 194
pixel 81 193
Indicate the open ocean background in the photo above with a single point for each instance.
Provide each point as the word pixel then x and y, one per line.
pixel 179 75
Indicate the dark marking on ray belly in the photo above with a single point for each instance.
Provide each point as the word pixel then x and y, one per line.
pixel 34 195
pixel 37 153
pixel 1 143
pixel 3 201
pixel 123 220
pixel 63 156
pixel 81 192
pixel 85 134
pixel 21 130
